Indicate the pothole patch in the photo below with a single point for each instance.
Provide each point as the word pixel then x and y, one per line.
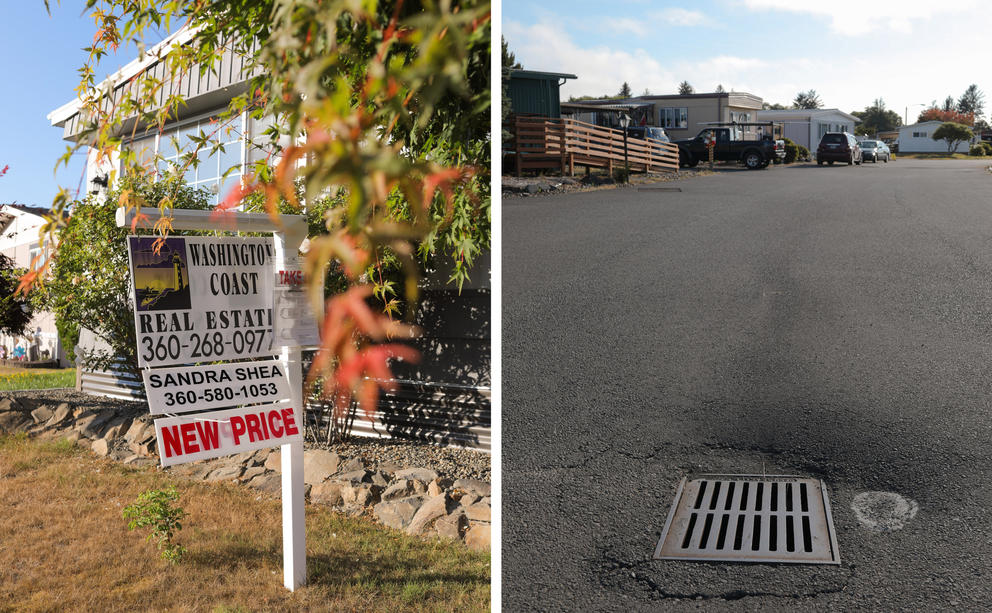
pixel 883 511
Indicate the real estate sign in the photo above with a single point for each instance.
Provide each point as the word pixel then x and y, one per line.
pixel 200 299
pixel 186 438
pixel 214 386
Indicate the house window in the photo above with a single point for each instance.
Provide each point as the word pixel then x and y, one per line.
pixel 673 117
pixel 219 162
pixel 35 251
pixel 919 134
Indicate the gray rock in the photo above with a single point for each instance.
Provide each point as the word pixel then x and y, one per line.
pixel 328 492
pixel 402 489
pixel 115 430
pixel 389 468
pixel 432 509
pixel 355 476
pixel 434 488
pixel 379 479
pixel 270 483
pixel 479 537
pixel 473 486
pixel 362 495
pixel 91 426
pixel 135 432
pixel 398 514
pixel 42 414
pixel 61 413
pixel 352 465
pixel 10 404
pixel 251 472
pixel 420 474
pixel 11 421
pixel 101 448
pixel 228 472
pixel 274 461
pixel 468 499
pixel 451 526
pixel 319 464
pixel 479 511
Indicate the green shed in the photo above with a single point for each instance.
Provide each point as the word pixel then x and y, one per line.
pixel 536 93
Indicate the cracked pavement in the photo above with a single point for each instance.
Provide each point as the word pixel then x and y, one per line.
pixel 828 322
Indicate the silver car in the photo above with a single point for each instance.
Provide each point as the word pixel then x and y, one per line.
pixel 875 150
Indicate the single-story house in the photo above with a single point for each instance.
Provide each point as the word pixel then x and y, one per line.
pixel 807 126
pixel 682 116
pixel 918 138
pixel 446 397
pixel 19 241
pixel 533 92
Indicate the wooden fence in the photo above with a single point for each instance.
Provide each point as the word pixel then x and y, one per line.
pixel 563 144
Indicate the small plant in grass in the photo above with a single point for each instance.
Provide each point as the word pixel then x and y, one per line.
pixel 154 508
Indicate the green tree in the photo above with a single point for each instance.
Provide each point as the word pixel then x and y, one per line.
pixel 393 98
pixel 807 100
pixel 624 91
pixel 953 134
pixel 772 107
pixel 89 285
pixel 15 310
pixel 876 118
pixel 509 63
pixel 972 101
pixel 949 104
pixel 685 89
pixel 719 88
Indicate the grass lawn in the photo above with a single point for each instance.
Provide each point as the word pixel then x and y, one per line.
pixel 65 547
pixel 937 156
pixel 13 378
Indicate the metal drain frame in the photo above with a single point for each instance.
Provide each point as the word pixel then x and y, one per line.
pixel 762 555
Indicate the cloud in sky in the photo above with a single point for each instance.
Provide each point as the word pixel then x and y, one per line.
pixel 682 17
pixel 857 17
pixel 908 70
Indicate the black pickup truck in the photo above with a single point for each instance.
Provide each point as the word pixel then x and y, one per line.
pixel 753 154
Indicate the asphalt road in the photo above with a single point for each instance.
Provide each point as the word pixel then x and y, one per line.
pixel 834 322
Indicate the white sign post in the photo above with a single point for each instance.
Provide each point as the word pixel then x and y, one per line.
pixel 176 338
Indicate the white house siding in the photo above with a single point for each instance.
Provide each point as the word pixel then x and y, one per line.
pixel 807 126
pixel 19 241
pixel 918 138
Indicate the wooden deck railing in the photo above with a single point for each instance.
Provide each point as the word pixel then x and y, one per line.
pixel 565 143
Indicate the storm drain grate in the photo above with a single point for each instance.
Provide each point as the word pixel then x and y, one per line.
pixel 659 189
pixel 750 518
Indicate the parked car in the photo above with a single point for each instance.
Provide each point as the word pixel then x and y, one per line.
pixel 874 150
pixel 653 132
pixel 838 147
pixel 753 154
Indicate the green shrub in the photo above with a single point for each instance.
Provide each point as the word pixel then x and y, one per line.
pixel 791 151
pixel 621 175
pixel 987 146
pixel 154 508
pixel 977 150
pixel 804 155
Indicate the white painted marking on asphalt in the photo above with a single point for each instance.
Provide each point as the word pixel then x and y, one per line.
pixel 883 511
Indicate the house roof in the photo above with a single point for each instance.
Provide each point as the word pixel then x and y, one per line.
pixel 59 116
pixel 922 123
pixel 537 74
pixel 7 215
pixel 804 113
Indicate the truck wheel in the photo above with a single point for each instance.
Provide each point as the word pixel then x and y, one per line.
pixel 830 163
pixel 753 160
pixel 819 162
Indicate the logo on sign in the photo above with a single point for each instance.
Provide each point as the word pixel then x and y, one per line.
pixel 161 274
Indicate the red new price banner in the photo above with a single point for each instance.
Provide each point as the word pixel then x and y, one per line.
pixel 187 438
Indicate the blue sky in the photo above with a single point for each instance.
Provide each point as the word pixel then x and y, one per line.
pixel 906 52
pixel 41 56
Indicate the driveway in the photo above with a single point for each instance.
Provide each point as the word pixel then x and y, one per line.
pixel 833 322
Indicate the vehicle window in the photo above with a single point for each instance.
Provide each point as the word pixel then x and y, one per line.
pixel 869 143
pixel 833 138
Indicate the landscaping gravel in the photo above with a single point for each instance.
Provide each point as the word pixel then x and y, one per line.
pixel 448 462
